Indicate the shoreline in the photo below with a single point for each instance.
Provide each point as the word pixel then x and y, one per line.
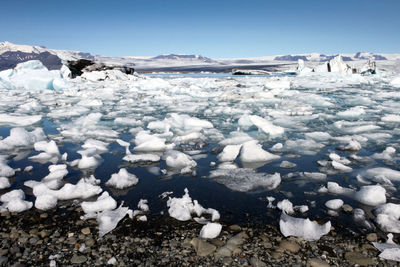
pixel 34 238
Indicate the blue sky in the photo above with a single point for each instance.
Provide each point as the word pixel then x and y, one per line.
pixel 211 28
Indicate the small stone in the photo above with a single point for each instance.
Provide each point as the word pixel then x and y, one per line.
pixel 347 208
pixel 89 242
pixel 257 263
pixel 217 242
pixel 33 241
pixel 314 262
pixel 70 235
pixel 372 237
pixel 223 252
pixel 78 259
pixel 235 228
pixel 44 215
pixel 276 255
pixel 289 245
pixel 358 258
pixel 86 231
pixel 3 252
pixel 202 247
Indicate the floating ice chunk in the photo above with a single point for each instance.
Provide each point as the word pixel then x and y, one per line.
pixel 19 137
pixel 317 176
pixel 352 145
pixel 103 202
pixel 387 154
pixel 318 136
pixel 301 208
pixel 301 68
pixel 387 217
pixel 54 178
pixel 182 208
pixel 390 174
pixel 109 219
pixel 341 167
pixel 236 138
pixel 143 205
pixel 287 165
pixel 178 160
pixel 32 75
pixel 371 195
pixel 210 230
pixel 142 158
pixel 304 146
pixel 395 82
pixel 244 180
pixel 82 189
pixel 285 206
pixel 229 153
pixel 90 103
pixel 391 118
pixel 246 121
pixel 188 137
pixel 334 204
pixel 14 201
pixel 389 250
pixel 5 170
pixel 90 159
pixel 337 189
pixel 100 146
pixel 50 154
pixel 303 228
pixel 146 142
pixel 185 122
pixel 337 158
pixel 4 183
pixel 122 179
pixel 45 202
pixel 252 152
pixel 352 113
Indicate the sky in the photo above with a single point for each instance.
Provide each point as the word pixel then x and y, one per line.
pixel 217 29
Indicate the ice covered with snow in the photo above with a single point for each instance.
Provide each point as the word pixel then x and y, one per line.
pixel 109 219
pixel 389 250
pixel 244 180
pixel 246 121
pixel 183 208
pixel 229 153
pixel 21 138
pixel 103 202
pixel 285 206
pixel 50 152
pixel 13 201
pixel 178 160
pixel 4 183
pixel 304 228
pixel 122 179
pixel 210 230
pixel 5 170
pixel 252 151
pixel 334 204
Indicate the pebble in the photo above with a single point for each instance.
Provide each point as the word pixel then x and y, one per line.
pixel 358 258
pixel 257 263
pixel 223 252
pixel 86 231
pixel 235 228
pixel 78 259
pixel 202 247
pixel 289 245
pixel 315 262
pixel 372 237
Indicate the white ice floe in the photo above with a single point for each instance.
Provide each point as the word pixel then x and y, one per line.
pixel 50 154
pixel 19 120
pixel 13 201
pixel 122 179
pixel 46 202
pixel 285 206
pixel 109 219
pixel 387 217
pixel 304 228
pixel 334 204
pixel 181 161
pixel 244 180
pixel 142 158
pixel 229 153
pixel 391 118
pixel 210 230
pixel 246 121
pixel 20 138
pixel 183 208
pixel 389 250
pixel 5 170
pixel 252 151
pixel 387 154
pixel 4 183
pixel 287 165
pixel 90 159
pixel 388 173
pixel 103 202
pixel 145 142
pixel 316 176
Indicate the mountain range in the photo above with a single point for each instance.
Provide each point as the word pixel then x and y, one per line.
pixel 12 54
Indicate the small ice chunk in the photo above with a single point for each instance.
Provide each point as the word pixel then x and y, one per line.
pixel 252 152
pixel 178 160
pixel 122 179
pixel 210 230
pixel 341 167
pixel 100 146
pixel 18 120
pixel 103 202
pixel 371 195
pixel 28 168
pixel 5 170
pixel 109 219
pixel 19 137
pixel 337 189
pixel 143 205
pixel 387 217
pixel 352 113
pixel 301 208
pixel 389 250
pixel 229 153
pixel 334 204
pixel 4 183
pixel 318 136
pixel 304 228
pixel 45 202
pixel 14 201
pixel 286 206
pixel 387 154
pixel 287 165
pixel 317 176
pixel 390 174
pixel 135 158
pixel 90 159
pixel 391 118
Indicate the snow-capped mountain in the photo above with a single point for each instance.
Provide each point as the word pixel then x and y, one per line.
pixel 322 57
pixel 184 57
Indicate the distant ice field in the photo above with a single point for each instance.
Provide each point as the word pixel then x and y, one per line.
pixel 233 141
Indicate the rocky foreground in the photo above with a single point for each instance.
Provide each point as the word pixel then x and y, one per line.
pixel 62 239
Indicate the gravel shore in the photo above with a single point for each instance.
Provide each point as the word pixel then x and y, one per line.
pixel 36 238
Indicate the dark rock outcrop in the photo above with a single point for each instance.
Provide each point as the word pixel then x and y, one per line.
pixel 80 66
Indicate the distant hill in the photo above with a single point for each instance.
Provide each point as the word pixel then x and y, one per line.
pixel 322 57
pixel 184 57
